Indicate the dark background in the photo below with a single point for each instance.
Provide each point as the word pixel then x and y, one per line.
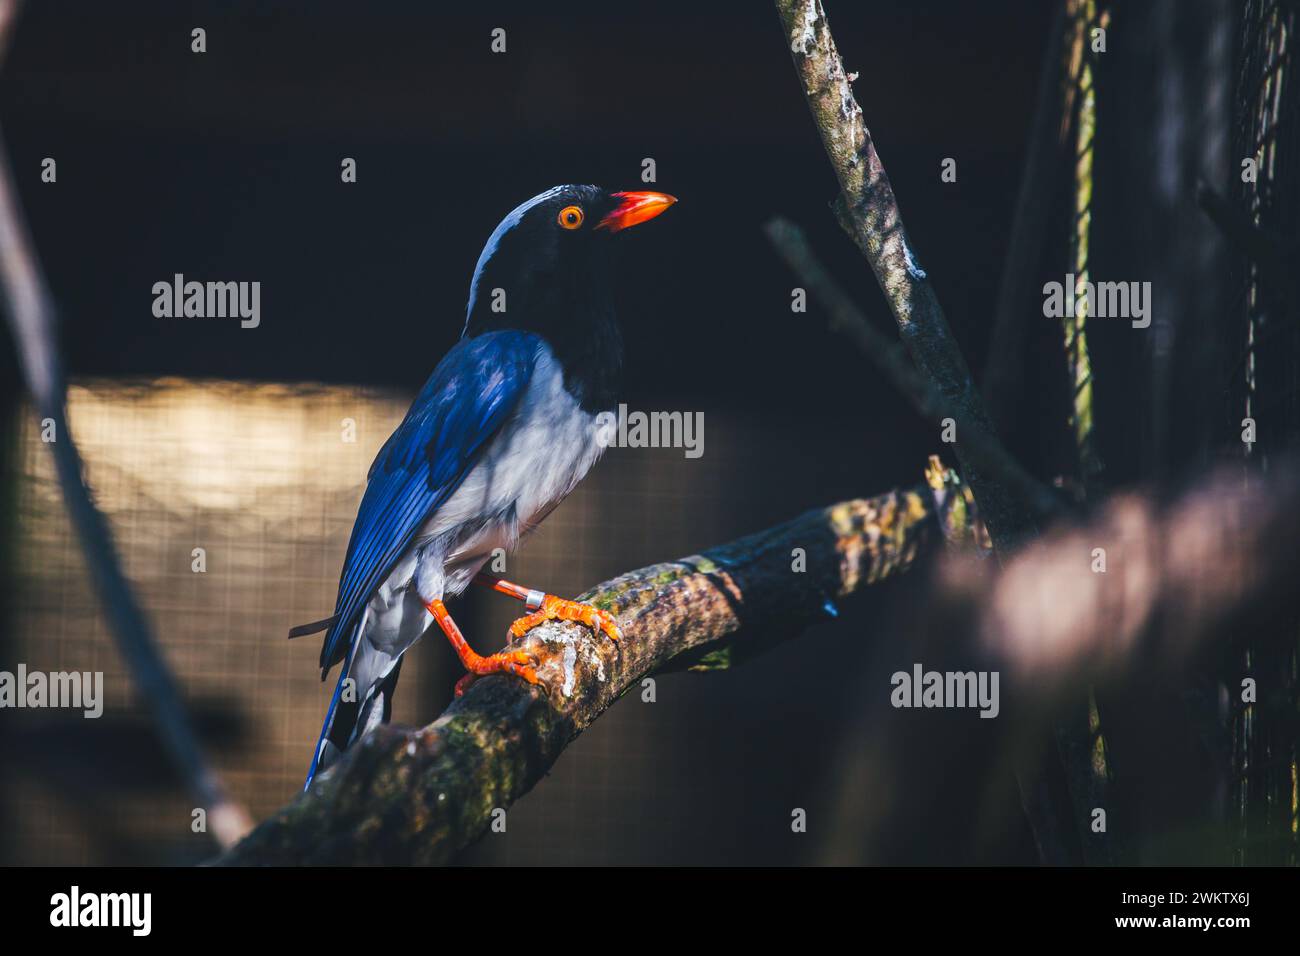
pixel 225 166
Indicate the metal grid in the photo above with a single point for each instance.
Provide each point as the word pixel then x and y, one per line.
pixel 1264 384
pixel 260 477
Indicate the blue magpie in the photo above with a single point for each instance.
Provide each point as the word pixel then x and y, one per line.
pixel 503 430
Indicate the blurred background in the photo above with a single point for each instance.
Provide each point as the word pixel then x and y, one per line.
pixel 200 434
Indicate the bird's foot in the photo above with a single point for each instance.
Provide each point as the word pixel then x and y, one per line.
pixel 505 662
pixel 560 609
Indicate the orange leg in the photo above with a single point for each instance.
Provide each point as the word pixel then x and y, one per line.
pixel 548 607
pixel 512 662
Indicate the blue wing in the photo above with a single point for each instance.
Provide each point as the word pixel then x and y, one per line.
pixel 468 396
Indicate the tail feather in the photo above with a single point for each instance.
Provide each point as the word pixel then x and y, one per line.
pixel 314 627
pixel 318 755
pixel 348 720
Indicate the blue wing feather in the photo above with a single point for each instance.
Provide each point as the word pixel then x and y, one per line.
pixel 471 392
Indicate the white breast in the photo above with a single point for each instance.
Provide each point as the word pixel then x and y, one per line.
pixel 540 454
pixel 537 457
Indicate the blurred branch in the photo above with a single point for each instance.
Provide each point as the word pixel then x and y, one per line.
pixel 869 213
pixel 1074 325
pixel 419 796
pixel 1039 183
pixel 1271 253
pixel 1178 578
pixel 1146 590
pixel 982 449
pixel 31 317
pixel 1080 742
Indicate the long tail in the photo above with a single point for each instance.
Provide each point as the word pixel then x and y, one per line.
pixel 369 704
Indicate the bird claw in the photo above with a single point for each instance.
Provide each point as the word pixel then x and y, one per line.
pixel 518 663
pixel 556 608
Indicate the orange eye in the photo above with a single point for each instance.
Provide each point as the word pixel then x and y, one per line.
pixel 571 217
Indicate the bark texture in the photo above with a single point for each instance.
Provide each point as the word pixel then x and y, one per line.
pixel 868 211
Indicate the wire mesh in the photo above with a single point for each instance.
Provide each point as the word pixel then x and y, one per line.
pixel 1264 385
pixel 265 478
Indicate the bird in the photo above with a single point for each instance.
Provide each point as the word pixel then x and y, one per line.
pixel 503 430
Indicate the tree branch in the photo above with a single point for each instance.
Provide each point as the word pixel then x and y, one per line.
pixel 1074 328
pixel 869 213
pixel 418 796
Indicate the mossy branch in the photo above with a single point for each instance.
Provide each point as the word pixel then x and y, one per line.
pixel 419 796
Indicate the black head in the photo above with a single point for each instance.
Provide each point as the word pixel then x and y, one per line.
pixel 546 269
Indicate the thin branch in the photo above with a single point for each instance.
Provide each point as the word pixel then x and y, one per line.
pixel 1273 254
pixel 983 450
pixel 31 317
pixel 1074 326
pixel 419 796
pixel 869 212
pixel 1039 184
pixel 1080 742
